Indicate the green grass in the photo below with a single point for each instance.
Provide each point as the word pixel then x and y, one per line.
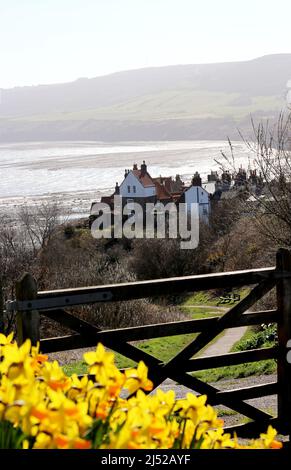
pixel 241 370
pixel 165 348
pixel 237 372
pixel 161 348
pixel 210 298
pixel 212 375
pixel 198 313
pixel 200 298
pixel 246 336
pixel 225 412
pixel 78 368
pixel 255 340
pixel 187 103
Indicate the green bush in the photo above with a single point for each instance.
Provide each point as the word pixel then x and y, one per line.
pixel 266 337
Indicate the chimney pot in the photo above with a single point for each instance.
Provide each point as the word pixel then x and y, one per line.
pixel 143 168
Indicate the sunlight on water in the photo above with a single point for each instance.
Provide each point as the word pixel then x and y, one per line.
pixel 32 169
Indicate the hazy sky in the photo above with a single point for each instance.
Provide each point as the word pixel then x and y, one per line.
pixel 50 41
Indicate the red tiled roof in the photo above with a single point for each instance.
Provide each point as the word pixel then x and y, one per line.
pixel 172 186
pixel 145 179
pixel 162 193
pixel 165 181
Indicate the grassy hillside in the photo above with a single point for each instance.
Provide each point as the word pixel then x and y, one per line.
pixel 206 101
pixel 173 104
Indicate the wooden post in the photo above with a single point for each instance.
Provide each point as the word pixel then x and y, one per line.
pixel 1 308
pixel 284 335
pixel 27 321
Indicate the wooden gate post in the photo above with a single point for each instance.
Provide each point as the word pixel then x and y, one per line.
pixel 1 308
pixel 27 321
pixel 284 335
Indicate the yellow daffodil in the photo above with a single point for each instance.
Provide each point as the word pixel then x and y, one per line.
pixel 54 411
pixel 99 361
pixel 138 378
pixel 54 376
pixel 4 340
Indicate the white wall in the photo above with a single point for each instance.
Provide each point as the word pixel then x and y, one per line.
pixel 198 195
pixel 131 181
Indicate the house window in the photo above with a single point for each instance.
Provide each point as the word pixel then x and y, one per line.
pixel 134 189
pixel 128 189
pixel 205 211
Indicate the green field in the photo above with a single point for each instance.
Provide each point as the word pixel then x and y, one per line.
pixel 172 104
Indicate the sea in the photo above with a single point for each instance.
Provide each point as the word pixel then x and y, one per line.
pixel 79 173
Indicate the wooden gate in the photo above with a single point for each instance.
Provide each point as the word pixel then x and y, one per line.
pixel 54 304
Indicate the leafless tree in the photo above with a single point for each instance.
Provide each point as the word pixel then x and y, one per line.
pixel 270 156
pixel 22 237
pixel 39 222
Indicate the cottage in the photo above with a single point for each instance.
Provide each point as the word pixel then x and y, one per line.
pixel 197 195
pixel 138 186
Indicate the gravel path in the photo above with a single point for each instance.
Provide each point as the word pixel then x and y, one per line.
pixel 268 404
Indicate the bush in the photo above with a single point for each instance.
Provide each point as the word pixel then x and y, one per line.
pixel 159 258
pixel 266 337
pixel 42 408
pixel 69 231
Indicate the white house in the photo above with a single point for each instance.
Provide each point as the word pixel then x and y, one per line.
pixel 137 184
pixel 198 195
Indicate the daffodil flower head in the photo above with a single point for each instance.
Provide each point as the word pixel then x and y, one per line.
pixel 138 379
pixel 53 411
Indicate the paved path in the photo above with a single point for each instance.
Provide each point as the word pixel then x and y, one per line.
pixel 225 342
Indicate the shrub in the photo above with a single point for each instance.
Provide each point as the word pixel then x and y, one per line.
pixel 42 408
pixel 266 337
pixel 69 231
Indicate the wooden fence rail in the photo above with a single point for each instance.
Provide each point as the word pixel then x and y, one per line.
pixel 30 303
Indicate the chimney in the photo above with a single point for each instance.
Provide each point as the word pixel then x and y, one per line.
pixel 125 173
pixel 143 168
pixel 116 188
pixel 196 180
pixel 135 166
